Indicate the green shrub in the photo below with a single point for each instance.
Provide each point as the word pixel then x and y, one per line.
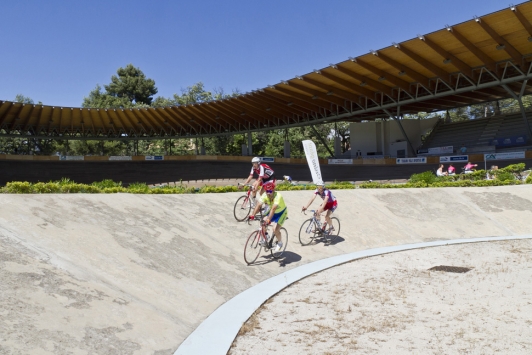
pixel 528 179
pixel 138 188
pixel 427 177
pixel 46 187
pixel 503 175
pixel 18 187
pixel 513 168
pixel 73 188
pixel 106 183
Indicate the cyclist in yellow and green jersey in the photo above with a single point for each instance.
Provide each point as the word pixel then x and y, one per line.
pixel 277 213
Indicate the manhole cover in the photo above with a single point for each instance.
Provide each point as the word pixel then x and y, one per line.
pixel 445 268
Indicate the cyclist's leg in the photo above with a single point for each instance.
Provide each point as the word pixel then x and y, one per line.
pixel 256 185
pixel 328 217
pixel 277 222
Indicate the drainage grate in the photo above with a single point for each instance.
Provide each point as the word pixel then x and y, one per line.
pixel 457 269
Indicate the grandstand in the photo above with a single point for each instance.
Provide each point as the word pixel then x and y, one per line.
pixel 480 135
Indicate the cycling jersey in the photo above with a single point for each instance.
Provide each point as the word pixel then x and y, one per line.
pixel 263 171
pixel 326 192
pixel 332 203
pixel 281 212
pixel 277 200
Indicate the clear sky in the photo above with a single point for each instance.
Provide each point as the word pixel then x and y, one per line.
pixel 58 51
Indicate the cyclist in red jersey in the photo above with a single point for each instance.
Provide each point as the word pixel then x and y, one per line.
pixel 264 174
pixel 329 203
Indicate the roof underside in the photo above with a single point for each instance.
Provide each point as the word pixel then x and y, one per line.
pixel 481 60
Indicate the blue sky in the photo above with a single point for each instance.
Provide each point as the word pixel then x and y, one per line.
pixel 58 51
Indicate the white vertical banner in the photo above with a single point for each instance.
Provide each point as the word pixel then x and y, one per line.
pixel 313 161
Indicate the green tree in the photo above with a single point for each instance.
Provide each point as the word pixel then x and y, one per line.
pixel 132 84
pixel 130 88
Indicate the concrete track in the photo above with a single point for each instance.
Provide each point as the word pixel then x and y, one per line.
pixel 136 274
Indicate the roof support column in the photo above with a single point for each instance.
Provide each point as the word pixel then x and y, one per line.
pixel 521 107
pixel 396 118
pixel 323 142
pixel 250 145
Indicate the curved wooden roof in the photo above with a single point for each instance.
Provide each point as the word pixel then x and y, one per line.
pixel 484 59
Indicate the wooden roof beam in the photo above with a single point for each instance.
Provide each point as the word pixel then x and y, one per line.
pixel 25 125
pixel 488 62
pixel 235 114
pixel 314 95
pixel 450 58
pixel 16 116
pixel 284 100
pixel 363 80
pixel 146 112
pixel 125 117
pixel 442 74
pixel 273 111
pixel 133 113
pixel 359 90
pixel 170 117
pixel 503 44
pixel 274 105
pixel 113 115
pixel 342 94
pixel 207 115
pixel 217 115
pixel 228 116
pixel 423 80
pixel 181 114
pixel 526 24
pixel 403 84
pixel 245 109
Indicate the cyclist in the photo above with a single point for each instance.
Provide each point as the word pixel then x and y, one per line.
pixel 264 173
pixel 329 204
pixel 278 211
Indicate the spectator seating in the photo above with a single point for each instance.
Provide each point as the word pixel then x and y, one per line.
pixel 478 133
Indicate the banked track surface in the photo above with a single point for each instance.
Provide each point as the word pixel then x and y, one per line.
pixel 139 273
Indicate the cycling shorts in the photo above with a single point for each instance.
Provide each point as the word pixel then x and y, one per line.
pixel 280 217
pixel 266 179
pixel 331 206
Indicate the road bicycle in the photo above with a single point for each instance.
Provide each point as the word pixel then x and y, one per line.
pixel 311 229
pixel 262 238
pixel 244 204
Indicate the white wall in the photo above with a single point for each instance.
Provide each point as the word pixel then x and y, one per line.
pixel 383 136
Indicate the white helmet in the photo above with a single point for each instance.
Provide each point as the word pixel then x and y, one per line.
pixel 320 183
pixel 255 160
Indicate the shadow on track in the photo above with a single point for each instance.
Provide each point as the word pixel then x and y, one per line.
pixel 288 257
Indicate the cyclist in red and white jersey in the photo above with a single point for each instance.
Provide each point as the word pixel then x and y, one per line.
pixel 329 203
pixel 264 174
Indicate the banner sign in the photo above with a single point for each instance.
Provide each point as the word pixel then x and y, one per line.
pixel 313 161
pixel 267 159
pixel 340 161
pixel 154 157
pixel 454 158
pixel 510 141
pixel 120 157
pixel 504 156
pixel 72 157
pixel 422 160
pixel 441 150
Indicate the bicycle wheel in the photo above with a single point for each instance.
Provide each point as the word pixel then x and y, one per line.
pixel 307 232
pixel 284 240
pixel 242 208
pixel 334 233
pixel 252 248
